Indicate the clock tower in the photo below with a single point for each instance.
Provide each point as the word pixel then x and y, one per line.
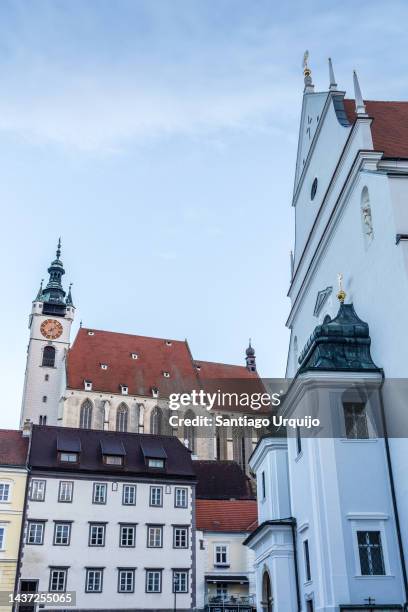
pixel 50 323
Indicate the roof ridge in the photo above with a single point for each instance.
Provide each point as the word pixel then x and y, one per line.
pixel 107 331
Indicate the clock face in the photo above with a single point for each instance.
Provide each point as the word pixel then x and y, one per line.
pixel 51 329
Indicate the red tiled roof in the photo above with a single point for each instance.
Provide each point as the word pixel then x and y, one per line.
pixel 155 356
pixel 222 515
pixel 389 127
pixel 13 447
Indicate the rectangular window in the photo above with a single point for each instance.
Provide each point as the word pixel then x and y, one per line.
pixel 263 486
pixel 153 581
pixel 127 536
pixel 37 492
pixel 2 536
pixel 355 417
pixel 180 496
pixel 371 553
pixel 156 496
pixel 69 457
pixel 4 491
pixel 97 534
pixel 180 537
pixel 58 579
pixel 155 536
pixel 62 534
pixel 221 554
pixel 126 581
pixel 222 589
pixel 113 459
pixel 129 495
pixel 306 553
pixel 94 577
pixel 35 532
pixel 99 493
pixel 65 491
pixel 156 463
pixel 180 581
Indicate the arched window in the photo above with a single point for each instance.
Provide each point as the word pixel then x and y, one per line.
pixel 239 446
pixel 366 217
pixel 48 358
pixel 85 418
pixel 156 421
pixel 189 433
pixel 122 417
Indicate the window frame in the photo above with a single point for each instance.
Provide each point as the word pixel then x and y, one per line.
pixel 152 488
pixel 105 486
pixel 127 526
pixel 368 548
pixel 97 524
pixel 227 560
pixel 185 491
pixel 3 530
pixel 364 522
pixel 131 570
pixel 347 405
pixel 185 529
pixel 62 524
pixel 154 526
pixel 66 482
pixel 180 571
pixel 134 488
pixel 306 559
pixel 8 484
pixel 155 570
pixel 37 522
pixel 93 569
pixel 34 481
pixel 64 570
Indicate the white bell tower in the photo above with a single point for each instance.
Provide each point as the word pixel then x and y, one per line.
pixel 50 326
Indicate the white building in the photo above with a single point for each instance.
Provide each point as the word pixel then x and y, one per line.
pixel 110 517
pixel 333 509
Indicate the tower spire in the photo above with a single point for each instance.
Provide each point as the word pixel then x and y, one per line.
pixel 69 301
pixel 53 295
pixel 250 358
pixel 333 84
pixel 309 87
pixel 58 253
pixel 360 106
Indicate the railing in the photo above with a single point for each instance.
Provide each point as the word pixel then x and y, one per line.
pixel 230 603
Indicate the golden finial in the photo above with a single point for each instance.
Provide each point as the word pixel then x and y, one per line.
pixel 341 296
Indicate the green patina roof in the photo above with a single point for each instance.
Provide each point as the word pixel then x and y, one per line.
pixel 341 344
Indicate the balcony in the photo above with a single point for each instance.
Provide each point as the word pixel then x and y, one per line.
pixel 230 603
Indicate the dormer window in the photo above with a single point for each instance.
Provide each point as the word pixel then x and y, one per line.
pixel 104 366
pixel 88 385
pixel 166 374
pixel 113 452
pixel 134 355
pixel 91 333
pixel 124 389
pixel 156 463
pixel 168 343
pixel 113 460
pixel 155 392
pixel 68 449
pixel 69 457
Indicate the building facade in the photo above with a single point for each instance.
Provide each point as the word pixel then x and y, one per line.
pixel 333 504
pixel 13 477
pixel 110 516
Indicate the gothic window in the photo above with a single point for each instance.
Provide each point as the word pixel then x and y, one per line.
pixel 156 421
pixel 366 217
pixel 189 433
pixel 48 358
pixel 239 446
pixel 122 418
pixel 85 418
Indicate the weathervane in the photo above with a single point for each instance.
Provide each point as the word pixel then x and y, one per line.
pixel 341 296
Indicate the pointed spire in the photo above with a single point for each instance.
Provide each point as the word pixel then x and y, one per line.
pixel 309 87
pixel 59 248
pixel 39 293
pixel 69 301
pixel 360 106
pixel 333 84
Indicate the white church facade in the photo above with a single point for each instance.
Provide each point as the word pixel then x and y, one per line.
pixel 333 505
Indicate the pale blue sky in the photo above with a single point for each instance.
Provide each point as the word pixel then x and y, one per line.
pixel 158 138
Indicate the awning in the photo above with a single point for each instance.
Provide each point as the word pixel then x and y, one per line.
pixel 111 446
pixel 227 578
pixel 68 444
pixel 153 449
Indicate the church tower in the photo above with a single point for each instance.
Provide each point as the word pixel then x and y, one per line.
pixel 50 323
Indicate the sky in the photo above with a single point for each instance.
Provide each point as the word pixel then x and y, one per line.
pixel 158 139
